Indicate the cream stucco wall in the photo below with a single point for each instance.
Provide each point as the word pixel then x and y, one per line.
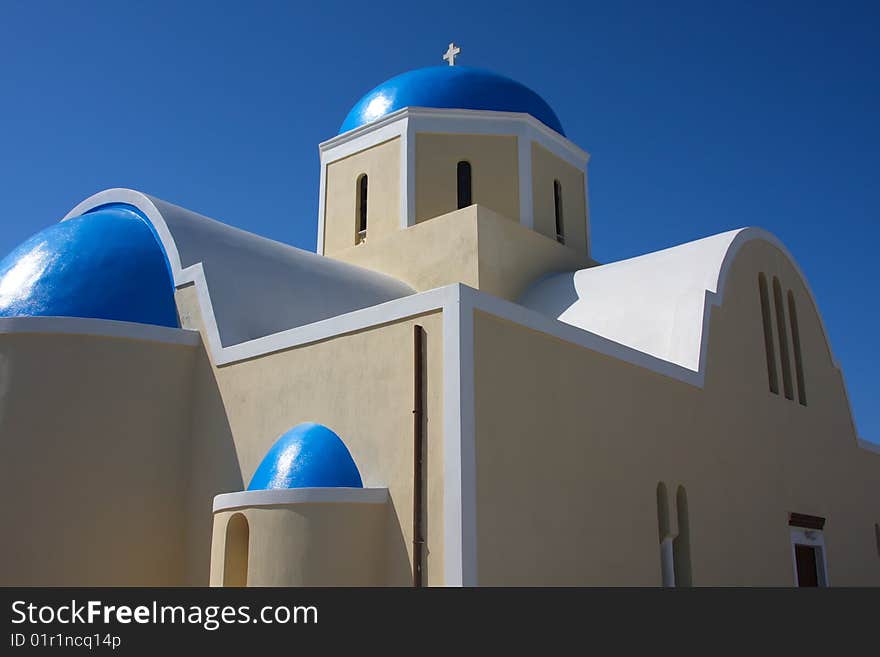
pixel 381 163
pixel 310 544
pixel 92 433
pixel 494 173
pixel 547 167
pixel 474 246
pixel 571 444
pixel 361 386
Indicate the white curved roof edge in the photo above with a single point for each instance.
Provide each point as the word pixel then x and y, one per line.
pixel 285 496
pixel 660 303
pixel 657 303
pixel 250 286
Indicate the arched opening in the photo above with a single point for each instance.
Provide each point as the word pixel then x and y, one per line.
pixel 796 344
pixel 361 207
pixel 465 196
pixel 557 206
pixel 783 339
pixel 681 546
pixel 667 563
pixel 235 564
pixel 768 334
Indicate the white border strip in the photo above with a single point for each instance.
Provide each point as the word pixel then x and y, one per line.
pixel 105 328
pixel 430 119
pixel 283 496
pixel 459 443
pixel 357 320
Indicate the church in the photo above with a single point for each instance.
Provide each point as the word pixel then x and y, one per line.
pixel 450 392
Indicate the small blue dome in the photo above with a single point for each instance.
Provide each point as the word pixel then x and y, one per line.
pixel 308 456
pixel 450 87
pixel 106 264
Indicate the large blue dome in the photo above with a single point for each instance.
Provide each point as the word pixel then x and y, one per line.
pixel 106 264
pixel 450 87
pixel 308 456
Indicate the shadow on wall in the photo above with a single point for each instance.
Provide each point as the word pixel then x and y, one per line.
pixel 213 468
pixel 551 295
pixel 398 568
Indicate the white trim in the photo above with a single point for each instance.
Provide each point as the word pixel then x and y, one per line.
pixel 322 199
pixel 431 119
pixel 575 335
pixel 384 133
pixel 479 122
pixel 104 328
pixel 331 144
pixel 390 311
pixel 283 496
pixel 381 132
pixel 815 539
pixel 459 464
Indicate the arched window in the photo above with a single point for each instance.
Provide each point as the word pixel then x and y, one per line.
pixel 667 561
pixel 681 546
pixel 465 196
pixel 557 207
pixel 769 349
pixel 796 344
pixel 361 207
pixel 235 563
pixel 782 329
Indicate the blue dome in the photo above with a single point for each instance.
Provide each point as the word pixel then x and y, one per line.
pixel 106 264
pixel 308 456
pixel 450 87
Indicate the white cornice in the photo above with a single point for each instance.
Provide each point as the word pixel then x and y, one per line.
pixel 429 119
pixel 103 328
pixel 287 496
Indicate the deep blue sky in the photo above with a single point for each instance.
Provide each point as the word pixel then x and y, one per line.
pixel 700 118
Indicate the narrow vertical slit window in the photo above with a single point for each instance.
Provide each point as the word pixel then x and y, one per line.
pixel 796 345
pixel 667 562
pixel 362 207
pixel 782 329
pixel 681 546
pixel 235 565
pixel 772 375
pixel 557 208
pixel 465 195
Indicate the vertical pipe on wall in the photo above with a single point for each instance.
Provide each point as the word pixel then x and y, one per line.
pixel 418 439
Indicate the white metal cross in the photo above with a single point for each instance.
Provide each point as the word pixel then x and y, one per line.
pixel 451 53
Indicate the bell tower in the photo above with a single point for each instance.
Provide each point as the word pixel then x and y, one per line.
pixel 453 174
